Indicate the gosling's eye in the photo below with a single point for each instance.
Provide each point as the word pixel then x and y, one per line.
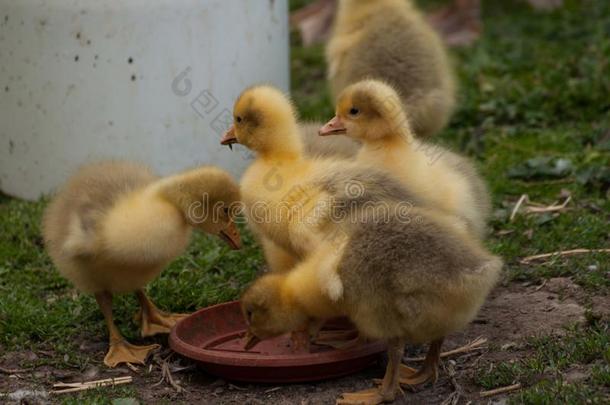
pixel 238 119
pixel 354 111
pixel 226 210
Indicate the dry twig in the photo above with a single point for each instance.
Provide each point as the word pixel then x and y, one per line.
pixel 79 383
pixel 452 399
pixel 87 385
pixel 166 372
pixel 513 214
pixel 551 208
pixel 167 375
pixel 536 208
pixel 541 285
pixel 572 252
pixel 501 390
pixel 11 370
pixel 458 392
pixel 476 344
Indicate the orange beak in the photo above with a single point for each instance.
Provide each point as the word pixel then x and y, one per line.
pixel 333 127
pixel 231 235
pixel 229 137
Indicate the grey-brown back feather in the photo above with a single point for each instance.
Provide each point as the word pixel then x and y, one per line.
pixel 88 195
pixel 407 54
pixel 478 188
pixel 355 186
pixel 393 268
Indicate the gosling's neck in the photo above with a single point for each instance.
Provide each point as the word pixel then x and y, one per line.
pixel 295 317
pixel 182 192
pixel 400 140
pixel 402 149
pixel 302 289
pixel 288 148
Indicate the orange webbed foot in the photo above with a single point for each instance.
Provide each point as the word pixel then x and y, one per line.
pixel 156 322
pixel 371 396
pixel 299 341
pixel 410 376
pixel 124 352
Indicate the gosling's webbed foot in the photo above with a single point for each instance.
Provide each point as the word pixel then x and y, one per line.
pixel 405 372
pixel 410 376
pixel 429 370
pixel 371 396
pixel 156 322
pixel 124 352
pixel 299 341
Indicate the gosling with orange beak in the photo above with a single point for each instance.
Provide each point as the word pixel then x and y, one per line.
pixel 371 112
pixel 391 40
pixel 115 226
pixel 288 195
pixel 406 279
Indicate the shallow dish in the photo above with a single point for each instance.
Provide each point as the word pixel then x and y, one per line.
pixel 214 337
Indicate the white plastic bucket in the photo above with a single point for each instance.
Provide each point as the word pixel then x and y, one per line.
pixel 148 80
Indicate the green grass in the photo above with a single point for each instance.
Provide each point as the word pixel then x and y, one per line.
pixel 120 395
pixel 536 85
pixel 543 370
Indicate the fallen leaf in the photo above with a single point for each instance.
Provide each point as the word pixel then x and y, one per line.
pixel 541 168
pixel 314 21
pixel 458 24
pixel 546 4
pixel 545 218
pixel 594 176
pixel 501 215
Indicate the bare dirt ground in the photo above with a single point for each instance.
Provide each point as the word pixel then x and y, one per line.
pixel 512 314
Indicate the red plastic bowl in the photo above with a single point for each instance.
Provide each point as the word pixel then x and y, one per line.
pixel 213 336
